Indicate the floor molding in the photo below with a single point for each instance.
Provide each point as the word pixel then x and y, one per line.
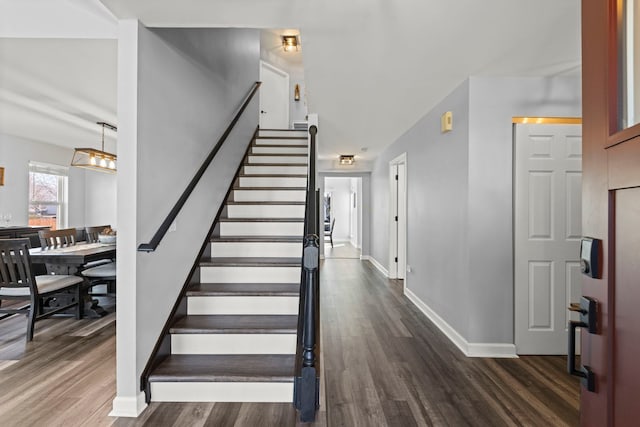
pixel 377 265
pixel 128 406
pixel 497 350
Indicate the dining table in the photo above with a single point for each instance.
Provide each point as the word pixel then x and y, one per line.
pixel 70 260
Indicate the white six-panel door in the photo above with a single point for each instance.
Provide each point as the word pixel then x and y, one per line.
pixel 547 205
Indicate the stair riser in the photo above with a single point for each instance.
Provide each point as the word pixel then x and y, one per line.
pixel 233 344
pixel 261 229
pixel 215 274
pixel 265 211
pixel 277 159
pixel 256 249
pixel 242 305
pixel 269 195
pixel 288 133
pixel 277 170
pixel 221 392
pixel 278 150
pixel 246 181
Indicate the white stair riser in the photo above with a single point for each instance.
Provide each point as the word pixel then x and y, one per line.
pixel 265 211
pixel 242 305
pixel 271 170
pixel 277 159
pixel 221 392
pixel 269 195
pixel 233 343
pixel 289 133
pixel 246 181
pixel 278 150
pixel 256 249
pixel 261 228
pixel 211 274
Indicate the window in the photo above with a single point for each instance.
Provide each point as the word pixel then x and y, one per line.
pixel 48 195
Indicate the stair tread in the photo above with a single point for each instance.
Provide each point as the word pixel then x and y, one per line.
pixel 226 219
pixel 270 188
pixel 225 368
pixel 236 324
pixel 282 137
pixel 251 262
pixel 246 203
pixel 244 289
pixel 260 239
pixel 278 155
pixel 282 175
pixel 282 145
pixel 304 165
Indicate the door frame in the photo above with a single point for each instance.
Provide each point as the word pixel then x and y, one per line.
pixel 395 231
pixel 286 76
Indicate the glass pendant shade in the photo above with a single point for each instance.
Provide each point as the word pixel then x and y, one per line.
pixel 97 160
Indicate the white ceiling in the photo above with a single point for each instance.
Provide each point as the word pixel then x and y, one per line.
pixel 372 68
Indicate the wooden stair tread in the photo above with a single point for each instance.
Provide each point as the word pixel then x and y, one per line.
pixel 258 239
pixel 280 146
pixel 270 188
pixel 281 175
pixel 283 137
pixel 251 262
pixel 279 203
pixel 236 324
pixel 225 219
pixel 278 155
pixel 274 164
pixel 225 368
pixel 244 289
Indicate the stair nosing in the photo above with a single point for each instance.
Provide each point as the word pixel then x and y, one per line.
pixel 275 203
pixel 281 145
pixel 278 262
pixel 270 188
pixel 302 165
pixel 272 175
pixel 244 289
pixel 260 219
pixel 261 324
pixel 257 239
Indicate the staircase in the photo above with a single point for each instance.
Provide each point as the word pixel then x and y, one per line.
pixel 237 342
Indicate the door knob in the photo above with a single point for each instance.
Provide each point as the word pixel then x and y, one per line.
pixel 587 310
pixel 263 112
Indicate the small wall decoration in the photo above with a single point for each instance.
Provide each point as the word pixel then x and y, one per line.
pixel 1 176
pixel 296 93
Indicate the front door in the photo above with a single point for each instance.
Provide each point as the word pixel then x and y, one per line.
pixel 547 229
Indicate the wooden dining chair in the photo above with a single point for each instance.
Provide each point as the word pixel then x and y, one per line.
pixel 52 239
pixel 92 233
pixel 330 231
pixel 18 282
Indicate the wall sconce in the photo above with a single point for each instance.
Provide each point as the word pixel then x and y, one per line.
pixel 296 93
pixel 289 43
pixel 347 159
pixel 1 176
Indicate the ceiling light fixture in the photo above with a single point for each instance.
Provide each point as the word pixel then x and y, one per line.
pixel 347 159
pixel 289 43
pixel 97 160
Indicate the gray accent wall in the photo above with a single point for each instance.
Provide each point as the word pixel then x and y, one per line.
pixel 459 186
pixel 178 90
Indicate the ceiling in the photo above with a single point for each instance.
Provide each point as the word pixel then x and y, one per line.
pixel 372 67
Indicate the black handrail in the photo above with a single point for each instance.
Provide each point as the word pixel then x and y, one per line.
pixel 307 382
pixel 164 227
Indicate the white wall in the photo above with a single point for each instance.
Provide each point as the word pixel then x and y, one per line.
pixel 84 209
pixel 178 90
pixel 459 209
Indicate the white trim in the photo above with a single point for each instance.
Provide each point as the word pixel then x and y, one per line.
pixel 128 406
pixel 377 265
pixel 393 211
pixel 467 348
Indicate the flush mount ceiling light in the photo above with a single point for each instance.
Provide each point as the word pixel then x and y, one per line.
pixel 97 160
pixel 347 159
pixel 290 43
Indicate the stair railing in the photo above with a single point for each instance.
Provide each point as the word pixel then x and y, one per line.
pixel 171 217
pixel 307 380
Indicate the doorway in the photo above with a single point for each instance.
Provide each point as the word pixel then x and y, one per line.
pixel 398 217
pixel 547 232
pixel 274 97
pixel 342 217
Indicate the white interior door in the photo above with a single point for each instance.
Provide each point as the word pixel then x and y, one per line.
pixel 547 231
pixel 274 98
pixel 398 217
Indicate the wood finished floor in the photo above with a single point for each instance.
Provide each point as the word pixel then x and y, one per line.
pixel 341 250
pixel 384 364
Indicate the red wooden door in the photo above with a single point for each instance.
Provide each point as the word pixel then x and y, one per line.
pixel 611 212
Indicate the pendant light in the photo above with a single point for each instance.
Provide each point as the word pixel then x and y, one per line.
pixel 97 160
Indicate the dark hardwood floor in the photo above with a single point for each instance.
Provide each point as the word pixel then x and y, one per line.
pixel 384 364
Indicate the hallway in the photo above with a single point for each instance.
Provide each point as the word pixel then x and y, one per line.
pixel 384 364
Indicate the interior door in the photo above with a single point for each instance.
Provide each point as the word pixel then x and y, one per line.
pixel 274 98
pixel 547 231
pixel 402 220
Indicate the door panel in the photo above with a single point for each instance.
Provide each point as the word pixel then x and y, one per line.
pixel 547 210
pixel 274 98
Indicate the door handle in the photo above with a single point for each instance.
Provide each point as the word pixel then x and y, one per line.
pixel 587 310
pixel 263 112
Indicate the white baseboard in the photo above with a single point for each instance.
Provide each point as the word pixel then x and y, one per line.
pixel 467 348
pixel 128 406
pixel 377 265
